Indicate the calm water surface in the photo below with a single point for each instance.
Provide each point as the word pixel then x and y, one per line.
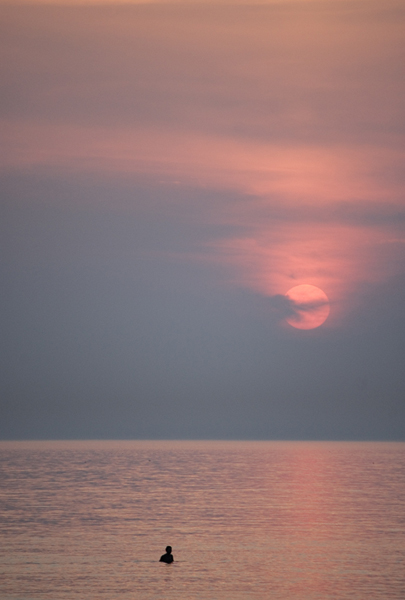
pixel 254 520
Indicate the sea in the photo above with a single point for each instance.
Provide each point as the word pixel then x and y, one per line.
pixel 246 520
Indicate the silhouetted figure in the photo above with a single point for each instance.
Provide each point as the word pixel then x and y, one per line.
pixel 168 557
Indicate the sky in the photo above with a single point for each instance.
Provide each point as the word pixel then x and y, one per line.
pixel 169 171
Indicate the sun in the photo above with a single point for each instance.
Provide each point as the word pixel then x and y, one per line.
pixel 309 306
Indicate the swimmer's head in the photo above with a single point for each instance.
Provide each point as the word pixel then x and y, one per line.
pixel 168 549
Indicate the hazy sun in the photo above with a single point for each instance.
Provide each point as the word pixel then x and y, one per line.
pixel 309 306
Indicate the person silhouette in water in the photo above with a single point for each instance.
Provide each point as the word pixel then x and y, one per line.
pixel 168 557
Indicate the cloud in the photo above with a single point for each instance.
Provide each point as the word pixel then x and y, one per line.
pixel 287 117
pixel 283 305
pixel 309 73
pixel 286 307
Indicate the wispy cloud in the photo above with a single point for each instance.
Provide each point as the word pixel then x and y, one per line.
pixel 295 108
pixel 287 307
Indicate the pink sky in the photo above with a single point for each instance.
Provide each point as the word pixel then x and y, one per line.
pixel 296 107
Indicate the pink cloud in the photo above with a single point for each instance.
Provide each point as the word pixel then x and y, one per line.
pixel 295 108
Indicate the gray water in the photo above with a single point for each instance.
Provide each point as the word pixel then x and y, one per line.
pixel 259 520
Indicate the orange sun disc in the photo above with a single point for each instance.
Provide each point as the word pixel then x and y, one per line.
pixel 309 306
